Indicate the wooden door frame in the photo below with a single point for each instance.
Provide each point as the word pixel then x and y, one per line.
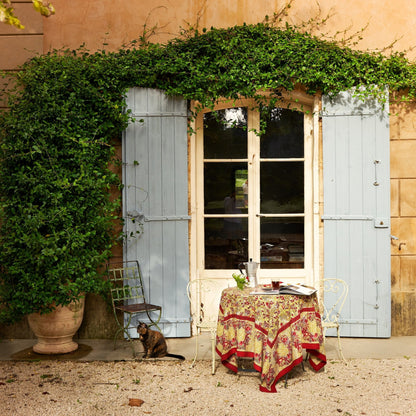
pixel 313 192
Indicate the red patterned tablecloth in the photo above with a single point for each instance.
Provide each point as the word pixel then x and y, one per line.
pixel 273 329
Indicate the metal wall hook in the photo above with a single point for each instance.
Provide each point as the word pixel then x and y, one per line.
pixel 376 182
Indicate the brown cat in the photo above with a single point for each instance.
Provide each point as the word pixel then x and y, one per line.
pixel 154 343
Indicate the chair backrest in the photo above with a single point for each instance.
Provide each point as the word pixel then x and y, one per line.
pixel 127 283
pixel 335 294
pixel 204 295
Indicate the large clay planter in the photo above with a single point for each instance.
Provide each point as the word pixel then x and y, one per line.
pixel 55 330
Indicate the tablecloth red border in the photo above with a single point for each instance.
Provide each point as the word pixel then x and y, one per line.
pixel 310 348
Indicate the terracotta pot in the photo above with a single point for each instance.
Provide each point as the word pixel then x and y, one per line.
pixel 55 330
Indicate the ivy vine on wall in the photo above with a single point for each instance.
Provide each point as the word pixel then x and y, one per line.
pixel 56 140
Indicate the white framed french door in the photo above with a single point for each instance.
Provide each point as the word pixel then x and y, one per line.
pixel 253 190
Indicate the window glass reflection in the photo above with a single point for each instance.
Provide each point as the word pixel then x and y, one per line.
pixel 284 134
pixel 282 243
pixel 225 242
pixel 224 188
pixel 225 134
pixel 281 188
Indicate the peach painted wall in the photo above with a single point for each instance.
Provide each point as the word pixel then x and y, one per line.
pixel 115 22
pixel 403 217
pixel 17 46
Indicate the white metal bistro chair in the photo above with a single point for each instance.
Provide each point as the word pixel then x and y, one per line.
pixel 335 294
pixel 204 295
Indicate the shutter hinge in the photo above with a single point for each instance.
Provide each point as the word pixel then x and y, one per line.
pixel 348 217
pixel 168 218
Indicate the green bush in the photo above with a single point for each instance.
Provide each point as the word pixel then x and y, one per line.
pixel 57 217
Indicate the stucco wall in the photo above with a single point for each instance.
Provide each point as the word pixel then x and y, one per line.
pixel 16 46
pixel 111 23
pixel 403 217
pixel 116 22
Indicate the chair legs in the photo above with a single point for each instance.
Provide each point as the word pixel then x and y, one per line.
pixel 340 353
pixel 340 348
pixel 124 330
pixel 286 377
pixel 213 336
pixel 324 335
pixel 153 322
pixel 196 349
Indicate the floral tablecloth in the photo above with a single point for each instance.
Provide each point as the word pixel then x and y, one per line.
pixel 273 329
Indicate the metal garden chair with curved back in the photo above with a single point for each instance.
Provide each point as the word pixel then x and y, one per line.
pixel 335 294
pixel 204 296
pixel 128 296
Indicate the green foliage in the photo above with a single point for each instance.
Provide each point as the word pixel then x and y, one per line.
pixel 7 14
pixel 57 217
pixel 241 280
pixel 243 60
pixel 56 213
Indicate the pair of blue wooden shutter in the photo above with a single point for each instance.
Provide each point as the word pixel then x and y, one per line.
pixel 356 206
pixel 356 175
pixel 155 202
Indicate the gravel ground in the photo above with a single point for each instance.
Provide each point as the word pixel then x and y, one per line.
pixel 363 387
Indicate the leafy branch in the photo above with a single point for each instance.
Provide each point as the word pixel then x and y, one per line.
pixel 8 16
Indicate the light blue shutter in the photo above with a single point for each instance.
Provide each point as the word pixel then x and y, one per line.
pixel 156 196
pixel 356 171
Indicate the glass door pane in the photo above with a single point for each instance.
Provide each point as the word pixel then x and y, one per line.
pixel 282 243
pixel 222 182
pixel 225 242
pixel 273 218
pixel 282 184
pixel 284 134
pixel 225 134
pixel 281 188
pixel 225 175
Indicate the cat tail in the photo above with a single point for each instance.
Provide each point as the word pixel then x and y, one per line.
pixel 180 357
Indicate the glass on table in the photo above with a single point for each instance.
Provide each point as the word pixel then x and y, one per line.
pixel 275 284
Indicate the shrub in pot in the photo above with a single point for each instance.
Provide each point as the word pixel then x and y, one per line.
pixel 57 216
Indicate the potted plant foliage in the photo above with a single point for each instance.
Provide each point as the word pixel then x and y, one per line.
pixel 57 216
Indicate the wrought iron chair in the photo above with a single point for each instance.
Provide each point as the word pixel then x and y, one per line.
pixel 335 294
pixel 128 296
pixel 204 295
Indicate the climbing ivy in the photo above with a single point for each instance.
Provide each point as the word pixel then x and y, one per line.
pixel 242 60
pixel 57 139
pixel 56 213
